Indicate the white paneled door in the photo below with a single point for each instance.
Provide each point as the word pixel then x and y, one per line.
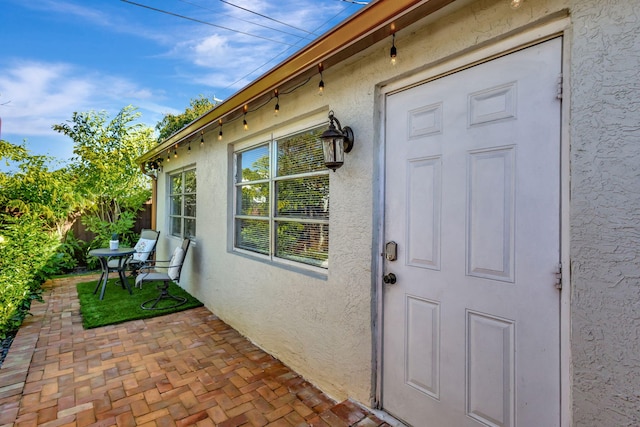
pixel 471 332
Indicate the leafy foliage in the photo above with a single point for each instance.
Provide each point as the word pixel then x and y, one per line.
pixel 36 190
pixel 106 171
pixel 171 123
pixel 38 205
pixel 25 262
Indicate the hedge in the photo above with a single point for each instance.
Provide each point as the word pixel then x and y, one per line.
pixel 27 254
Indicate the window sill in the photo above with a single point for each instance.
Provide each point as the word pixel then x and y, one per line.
pixel 304 269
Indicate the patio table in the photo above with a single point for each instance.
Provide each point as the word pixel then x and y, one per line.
pixel 104 255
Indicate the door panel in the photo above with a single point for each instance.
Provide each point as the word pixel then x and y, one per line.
pixel 471 327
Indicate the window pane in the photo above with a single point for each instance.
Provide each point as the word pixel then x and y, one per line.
pixel 301 153
pixel 176 205
pixel 176 184
pixel 253 199
pixel 252 235
pixel 307 243
pixel 182 203
pixel 190 181
pixel 190 205
pixel 304 197
pixel 176 226
pixel 189 228
pixel 253 164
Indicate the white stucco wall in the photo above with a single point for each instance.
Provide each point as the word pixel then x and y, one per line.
pixel 321 327
pixel 605 212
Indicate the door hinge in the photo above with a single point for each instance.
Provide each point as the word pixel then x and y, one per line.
pixel 559 87
pixel 558 274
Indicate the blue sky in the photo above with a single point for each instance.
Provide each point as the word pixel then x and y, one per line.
pixel 61 56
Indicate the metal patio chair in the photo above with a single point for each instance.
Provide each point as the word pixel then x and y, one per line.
pixel 145 249
pixel 164 272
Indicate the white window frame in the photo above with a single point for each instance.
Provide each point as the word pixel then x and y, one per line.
pixel 271 141
pixel 170 216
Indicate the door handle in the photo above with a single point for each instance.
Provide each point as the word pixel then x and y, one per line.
pixel 389 279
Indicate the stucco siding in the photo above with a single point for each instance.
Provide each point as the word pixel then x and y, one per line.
pixel 322 325
pixel 605 212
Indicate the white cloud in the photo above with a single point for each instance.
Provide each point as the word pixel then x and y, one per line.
pixel 209 51
pixel 41 94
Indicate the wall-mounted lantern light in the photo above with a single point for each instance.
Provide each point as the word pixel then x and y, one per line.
pixel 336 142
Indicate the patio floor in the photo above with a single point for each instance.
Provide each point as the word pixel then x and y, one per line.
pixel 187 368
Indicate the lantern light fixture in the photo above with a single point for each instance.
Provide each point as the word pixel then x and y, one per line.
pixel 335 142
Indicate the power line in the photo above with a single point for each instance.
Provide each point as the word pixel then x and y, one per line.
pixel 204 22
pixel 281 53
pixel 240 19
pixel 265 16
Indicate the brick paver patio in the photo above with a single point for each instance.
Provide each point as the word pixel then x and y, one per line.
pixel 187 368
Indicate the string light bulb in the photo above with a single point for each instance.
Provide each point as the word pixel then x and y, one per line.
pixel 515 4
pixel 393 53
pixel 189 148
pixel 168 156
pixel 201 138
pixel 245 125
pixel 321 84
pixel 220 133
pixel 277 107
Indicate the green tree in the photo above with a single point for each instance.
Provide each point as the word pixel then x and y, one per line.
pixel 37 206
pixel 34 190
pixel 105 169
pixel 171 123
pixel 11 152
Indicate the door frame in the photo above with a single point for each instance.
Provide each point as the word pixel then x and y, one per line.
pixel 559 27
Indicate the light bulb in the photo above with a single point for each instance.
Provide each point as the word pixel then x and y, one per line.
pixel 515 4
pixel 393 52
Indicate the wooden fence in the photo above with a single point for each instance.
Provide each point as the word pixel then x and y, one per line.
pixel 142 221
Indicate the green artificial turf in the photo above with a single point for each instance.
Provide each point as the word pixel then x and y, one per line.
pixel 118 306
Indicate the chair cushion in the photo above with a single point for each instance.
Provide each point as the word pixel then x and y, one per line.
pixel 176 262
pixel 151 277
pixel 143 248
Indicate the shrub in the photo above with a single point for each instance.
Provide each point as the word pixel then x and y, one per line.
pixel 27 252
